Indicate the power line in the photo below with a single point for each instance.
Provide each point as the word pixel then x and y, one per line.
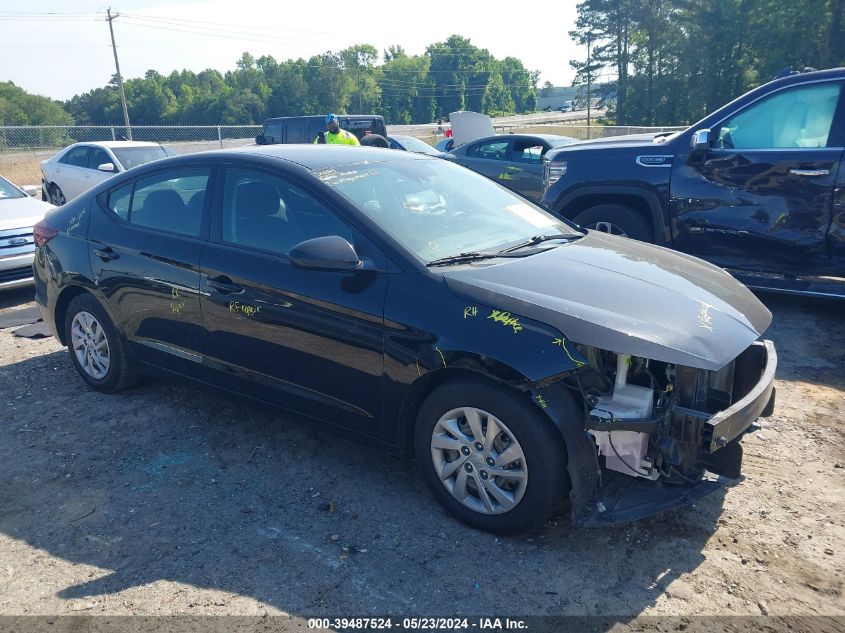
pixel 223 25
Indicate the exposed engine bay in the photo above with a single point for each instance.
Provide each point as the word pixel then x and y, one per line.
pixel 656 420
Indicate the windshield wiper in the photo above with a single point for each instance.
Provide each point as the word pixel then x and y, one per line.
pixel 472 257
pixel 461 257
pixel 537 239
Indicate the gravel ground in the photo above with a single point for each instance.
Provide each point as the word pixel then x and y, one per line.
pixel 170 500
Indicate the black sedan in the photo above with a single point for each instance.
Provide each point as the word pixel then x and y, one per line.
pixel 517 358
pixel 514 160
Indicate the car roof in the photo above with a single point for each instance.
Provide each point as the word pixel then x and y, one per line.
pixel 317 157
pixel 519 137
pixel 118 144
pixel 322 117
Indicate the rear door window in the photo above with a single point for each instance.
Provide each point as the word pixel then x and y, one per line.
pixel 169 201
pixel 295 132
pixel 314 128
pixel 273 132
pixel 528 151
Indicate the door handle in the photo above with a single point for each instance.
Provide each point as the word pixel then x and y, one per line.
pixel 106 254
pixel 810 172
pixel 224 286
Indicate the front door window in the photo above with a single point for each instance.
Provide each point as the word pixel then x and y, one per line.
pixel 797 117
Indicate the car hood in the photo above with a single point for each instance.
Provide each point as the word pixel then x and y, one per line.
pixel 624 296
pixel 17 213
pixel 638 141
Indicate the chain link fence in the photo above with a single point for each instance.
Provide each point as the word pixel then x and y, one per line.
pixel 22 148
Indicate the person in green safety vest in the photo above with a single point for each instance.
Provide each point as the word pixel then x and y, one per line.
pixel 334 134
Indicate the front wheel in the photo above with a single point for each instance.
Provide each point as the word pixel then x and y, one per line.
pixel 97 350
pixel 616 219
pixel 490 457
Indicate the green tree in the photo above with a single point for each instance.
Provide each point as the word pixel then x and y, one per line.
pixel 18 107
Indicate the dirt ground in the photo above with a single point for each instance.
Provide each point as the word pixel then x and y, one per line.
pixel 170 500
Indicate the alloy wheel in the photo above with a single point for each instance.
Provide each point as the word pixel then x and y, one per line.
pixel 90 345
pixel 479 460
pixel 608 227
pixel 57 198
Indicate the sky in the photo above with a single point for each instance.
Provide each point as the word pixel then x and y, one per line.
pixel 59 48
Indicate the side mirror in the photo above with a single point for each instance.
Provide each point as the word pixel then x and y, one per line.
pixel 700 141
pixel 31 190
pixel 107 167
pixel 259 140
pixel 329 253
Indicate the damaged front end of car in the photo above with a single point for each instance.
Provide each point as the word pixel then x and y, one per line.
pixel 663 353
pixel 662 435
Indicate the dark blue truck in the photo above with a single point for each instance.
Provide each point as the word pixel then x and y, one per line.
pixel 757 187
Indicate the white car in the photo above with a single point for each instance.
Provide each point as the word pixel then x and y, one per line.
pixel 18 213
pixel 80 166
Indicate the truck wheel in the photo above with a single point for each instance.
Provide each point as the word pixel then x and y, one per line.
pixel 489 456
pixel 616 219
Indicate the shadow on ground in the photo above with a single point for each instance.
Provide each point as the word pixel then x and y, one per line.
pixel 168 482
pixel 809 337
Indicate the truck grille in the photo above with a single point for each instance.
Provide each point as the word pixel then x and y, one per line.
pixel 16 242
pixel 15 274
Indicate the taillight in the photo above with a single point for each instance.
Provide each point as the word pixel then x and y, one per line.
pixel 43 233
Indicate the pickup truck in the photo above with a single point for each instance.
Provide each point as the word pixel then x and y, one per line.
pixel 757 187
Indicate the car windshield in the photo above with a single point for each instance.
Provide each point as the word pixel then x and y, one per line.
pixel 438 209
pixel 560 141
pixel 416 145
pixel 9 191
pixel 131 157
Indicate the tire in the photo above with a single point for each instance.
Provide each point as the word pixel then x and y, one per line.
pixel 97 350
pixel 57 198
pixel 374 140
pixel 617 219
pixel 533 486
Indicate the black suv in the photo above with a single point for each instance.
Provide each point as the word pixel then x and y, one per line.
pixel 304 129
pixel 757 187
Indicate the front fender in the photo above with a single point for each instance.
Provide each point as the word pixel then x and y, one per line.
pixel 454 333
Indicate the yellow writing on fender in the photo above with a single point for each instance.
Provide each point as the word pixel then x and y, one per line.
pixel 240 308
pixel 505 318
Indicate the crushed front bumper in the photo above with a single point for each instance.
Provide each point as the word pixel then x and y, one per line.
pixel 621 499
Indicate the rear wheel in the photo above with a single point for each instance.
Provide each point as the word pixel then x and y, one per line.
pixel 57 198
pixel 490 457
pixel 616 219
pixel 96 348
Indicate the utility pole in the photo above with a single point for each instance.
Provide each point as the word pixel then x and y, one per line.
pixel 119 77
